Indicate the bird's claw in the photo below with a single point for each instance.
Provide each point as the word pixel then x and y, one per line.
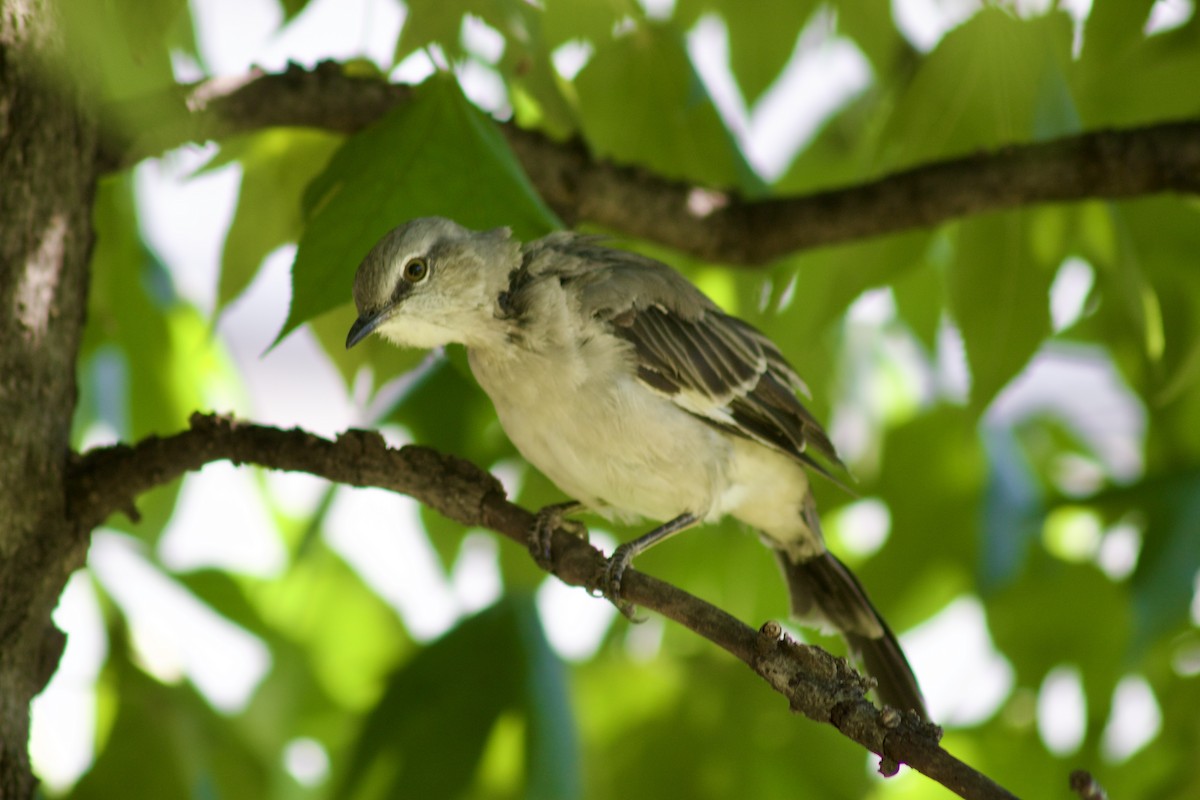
pixel 545 522
pixel 620 560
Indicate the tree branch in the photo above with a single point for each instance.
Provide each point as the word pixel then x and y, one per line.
pixel 816 684
pixel 711 225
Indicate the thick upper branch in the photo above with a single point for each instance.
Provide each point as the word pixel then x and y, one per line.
pixel 1100 164
pixel 815 683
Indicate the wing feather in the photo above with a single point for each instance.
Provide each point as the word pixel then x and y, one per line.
pixel 727 373
pixel 717 367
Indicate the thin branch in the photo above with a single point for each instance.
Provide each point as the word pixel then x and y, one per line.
pixel 816 684
pixel 712 225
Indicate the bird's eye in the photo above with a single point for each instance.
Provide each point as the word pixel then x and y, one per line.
pixel 416 270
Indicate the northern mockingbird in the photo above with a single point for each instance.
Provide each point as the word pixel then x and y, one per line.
pixel 635 394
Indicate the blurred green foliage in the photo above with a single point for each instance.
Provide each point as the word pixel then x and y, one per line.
pixel 977 497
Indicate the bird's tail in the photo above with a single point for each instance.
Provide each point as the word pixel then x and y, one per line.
pixel 823 589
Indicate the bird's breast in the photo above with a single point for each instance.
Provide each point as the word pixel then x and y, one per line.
pixel 580 416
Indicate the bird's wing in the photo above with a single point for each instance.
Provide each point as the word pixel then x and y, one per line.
pixel 712 365
pixel 726 372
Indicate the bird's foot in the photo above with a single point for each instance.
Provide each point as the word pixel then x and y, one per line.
pixel 545 522
pixel 618 562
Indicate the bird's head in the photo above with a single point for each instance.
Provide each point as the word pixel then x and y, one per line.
pixel 432 282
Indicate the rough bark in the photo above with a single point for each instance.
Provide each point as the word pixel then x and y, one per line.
pixel 47 177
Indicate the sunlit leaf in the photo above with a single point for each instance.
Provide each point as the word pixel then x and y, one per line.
pixel 731 736
pixel 934 534
pixel 998 293
pixel 980 88
pixel 1124 78
pixel 1164 580
pixel 276 166
pixel 760 43
pixel 1064 613
pixel 921 302
pixel 173 742
pixel 347 632
pixel 426 735
pixel 871 26
pixel 646 76
pixel 119 47
pixel 585 20
pixel 437 22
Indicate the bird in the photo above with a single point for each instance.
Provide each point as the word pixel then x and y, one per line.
pixel 636 395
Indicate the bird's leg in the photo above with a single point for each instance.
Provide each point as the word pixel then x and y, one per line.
pixel 546 521
pixel 623 556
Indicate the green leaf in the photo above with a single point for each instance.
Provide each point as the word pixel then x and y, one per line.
pixel 540 97
pixel 843 150
pixel 120 310
pixel 1114 27
pixel 920 296
pixel 935 539
pixel 1133 80
pixel 1121 320
pixel 135 319
pixel 760 44
pixel 220 592
pixel 999 292
pixel 170 743
pixel 1147 313
pixel 692 725
pixel 431 22
pixel 1160 236
pixel 646 76
pixel 292 9
pixel 119 46
pixel 146 24
pixel 1060 613
pixel 552 758
pixel 832 278
pixel 348 633
pixel 1012 511
pixel 537 94
pixel 435 155
pixel 587 20
pixel 291 701
pixel 846 149
pixel 980 88
pixel 870 24
pixel 1163 582
pixel 762 37
pixel 440 22
pixel 276 166
pixel 427 734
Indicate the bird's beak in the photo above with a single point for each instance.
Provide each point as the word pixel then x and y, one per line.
pixel 364 325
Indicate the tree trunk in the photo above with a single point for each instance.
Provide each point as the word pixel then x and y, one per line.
pixel 47 181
